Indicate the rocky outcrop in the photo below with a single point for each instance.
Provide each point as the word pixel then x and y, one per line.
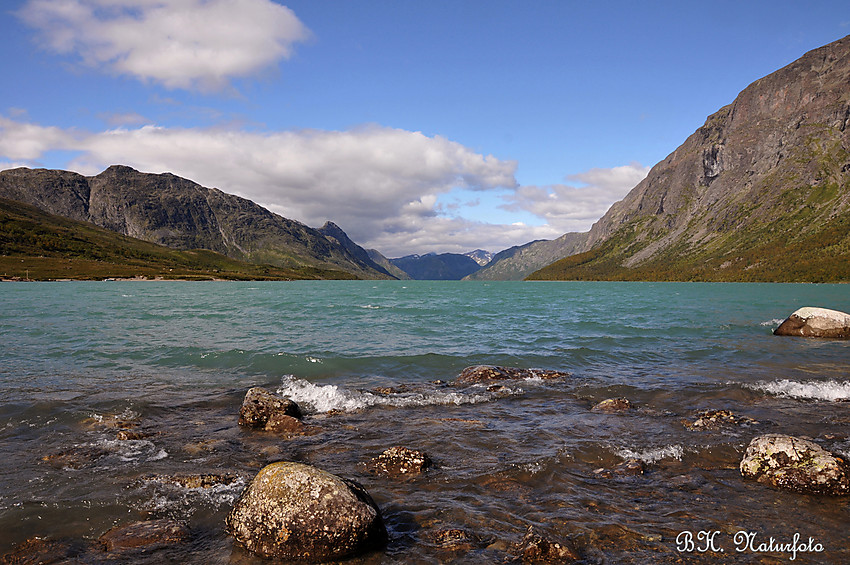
pixel 398 462
pixel 297 512
pixel 816 322
pixel 791 463
pixel 759 192
pixel 175 212
pixel 264 410
pixel 485 374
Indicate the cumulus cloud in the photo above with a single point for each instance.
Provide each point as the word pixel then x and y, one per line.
pixel 186 44
pixel 372 180
pixel 575 208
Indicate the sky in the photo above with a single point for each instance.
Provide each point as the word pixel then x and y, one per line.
pixel 438 126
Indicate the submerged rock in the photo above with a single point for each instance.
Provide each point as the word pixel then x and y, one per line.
pixel 149 535
pixel 45 550
pixel 260 407
pixel 400 461
pixel 715 419
pixel 207 480
pixel 297 512
pixel 790 463
pixel 628 468
pixel 537 550
pixel 816 322
pixel 613 406
pixel 489 373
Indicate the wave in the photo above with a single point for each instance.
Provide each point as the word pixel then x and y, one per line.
pixel 318 399
pixel 773 322
pixel 810 390
pixel 653 454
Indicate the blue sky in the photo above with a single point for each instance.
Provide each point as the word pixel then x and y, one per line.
pixel 416 126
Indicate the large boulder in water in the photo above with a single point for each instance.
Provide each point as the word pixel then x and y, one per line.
pixel 297 512
pixel 816 322
pixel 491 373
pixel 796 464
pixel 260 406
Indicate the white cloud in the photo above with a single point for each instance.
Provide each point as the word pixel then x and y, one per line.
pixel 381 185
pixel 187 44
pixel 571 208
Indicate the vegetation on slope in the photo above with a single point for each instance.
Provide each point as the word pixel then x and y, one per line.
pixel 39 246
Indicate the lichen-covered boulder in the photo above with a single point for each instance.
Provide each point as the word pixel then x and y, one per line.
pixel 490 373
pixel 795 464
pixel 297 512
pixel 612 406
pixel 399 462
pixel 816 322
pixel 260 405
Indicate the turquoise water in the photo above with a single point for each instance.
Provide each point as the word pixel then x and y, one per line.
pixel 177 357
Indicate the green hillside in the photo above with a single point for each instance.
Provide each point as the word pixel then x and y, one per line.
pixel 41 246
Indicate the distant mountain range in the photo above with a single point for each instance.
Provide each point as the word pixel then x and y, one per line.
pixel 433 266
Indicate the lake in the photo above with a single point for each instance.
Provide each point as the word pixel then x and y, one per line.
pixel 371 365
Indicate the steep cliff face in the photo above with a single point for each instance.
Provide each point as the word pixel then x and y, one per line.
pixel 767 173
pixel 178 213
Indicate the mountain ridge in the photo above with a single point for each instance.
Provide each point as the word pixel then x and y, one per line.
pixel 764 175
pixel 175 212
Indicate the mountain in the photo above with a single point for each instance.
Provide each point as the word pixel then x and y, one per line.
pixel 175 212
pixel 760 192
pixel 387 264
pixel 480 256
pixel 516 263
pixel 35 245
pixel 434 267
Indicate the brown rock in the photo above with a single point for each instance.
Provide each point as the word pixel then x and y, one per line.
pixel 284 423
pixel 399 461
pixel 612 406
pixel 296 512
pixel 715 419
pixel 537 550
pixel 816 322
pixel 259 405
pixel 43 551
pixel 149 535
pixel 490 373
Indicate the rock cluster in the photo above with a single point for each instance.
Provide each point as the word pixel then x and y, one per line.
pixel 816 322
pixel 297 512
pixel 791 463
pixel 264 410
pixel 490 373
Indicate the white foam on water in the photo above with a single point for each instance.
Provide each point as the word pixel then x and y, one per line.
pixel 654 454
pixel 810 390
pixel 773 322
pixel 317 398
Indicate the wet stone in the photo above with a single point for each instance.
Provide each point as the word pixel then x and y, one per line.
pixel 260 405
pixel 612 406
pixel 490 373
pixel 535 549
pixel 284 423
pixel 207 480
pixel 297 512
pixel 795 464
pixel 399 462
pixel 75 458
pixel 43 550
pixel 816 322
pixel 152 534
pixel 628 468
pixel 716 419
